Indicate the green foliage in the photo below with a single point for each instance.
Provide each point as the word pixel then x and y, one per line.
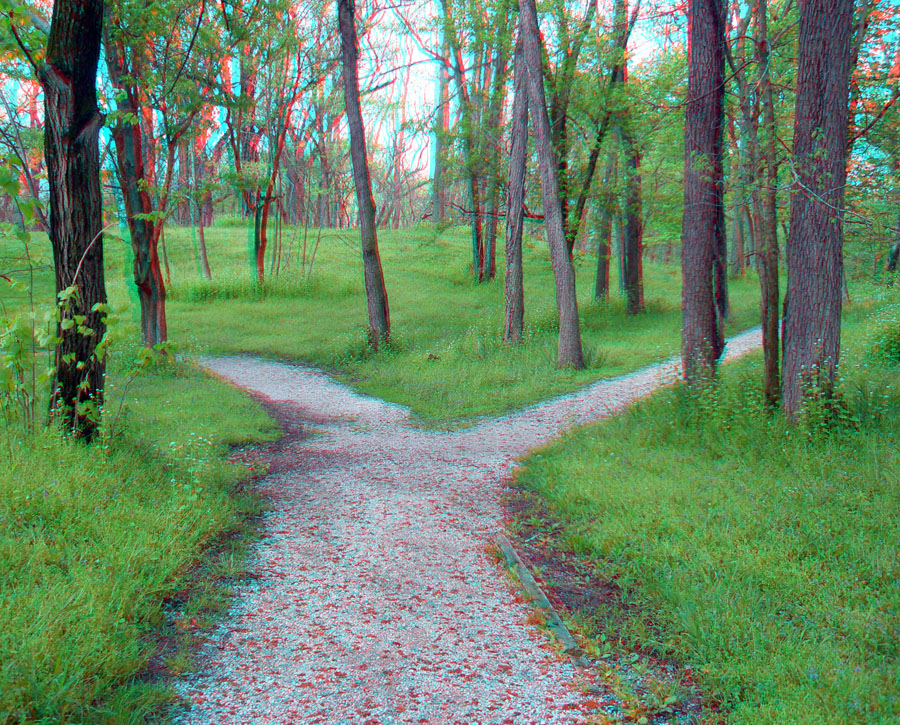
pixel 761 554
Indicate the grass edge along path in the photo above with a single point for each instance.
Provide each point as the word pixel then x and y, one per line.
pixel 760 555
pixel 112 557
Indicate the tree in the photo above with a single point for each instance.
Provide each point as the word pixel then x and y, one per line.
pixel 766 213
pixel 606 204
pixel 515 207
pixel 703 223
pixel 376 295
pixel 812 318
pixel 569 352
pixel 481 84
pixel 160 79
pixel 632 249
pixel 72 124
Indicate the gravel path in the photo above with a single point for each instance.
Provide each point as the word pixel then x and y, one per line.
pixel 375 597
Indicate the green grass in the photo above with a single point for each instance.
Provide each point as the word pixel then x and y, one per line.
pixel 94 539
pixel 762 555
pixel 447 362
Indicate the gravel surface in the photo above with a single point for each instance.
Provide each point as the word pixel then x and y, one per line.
pixel 375 595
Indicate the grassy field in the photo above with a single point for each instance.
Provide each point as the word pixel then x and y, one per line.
pixel 95 541
pixel 762 555
pixel 447 362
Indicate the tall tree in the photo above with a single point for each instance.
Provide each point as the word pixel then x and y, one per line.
pixel 376 295
pixel 515 207
pixel 480 96
pixel 605 213
pixel 703 223
pixel 632 248
pixel 812 319
pixel 766 211
pixel 440 132
pixel 72 124
pixel 561 81
pixel 569 352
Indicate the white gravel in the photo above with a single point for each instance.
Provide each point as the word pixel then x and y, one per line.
pixel 375 597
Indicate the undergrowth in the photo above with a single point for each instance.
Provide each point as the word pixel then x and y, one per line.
pixel 94 539
pixel 760 554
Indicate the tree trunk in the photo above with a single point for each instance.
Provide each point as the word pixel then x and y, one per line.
pixel 493 153
pixel 130 143
pixel 376 295
pixel 569 352
pixel 197 165
pixel 515 295
pixel 441 129
pixel 767 229
pixel 604 245
pixel 703 223
pixel 812 325
pixel 72 124
pixel 183 213
pixel 632 268
pixel 604 232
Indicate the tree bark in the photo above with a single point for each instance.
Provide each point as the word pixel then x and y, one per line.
pixel 812 324
pixel 703 223
pixel 569 352
pixel 376 294
pixel 767 229
pixel 134 178
pixel 632 268
pixel 604 232
pixel 72 124
pixel 515 295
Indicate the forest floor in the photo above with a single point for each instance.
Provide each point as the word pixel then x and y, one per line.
pixel 375 594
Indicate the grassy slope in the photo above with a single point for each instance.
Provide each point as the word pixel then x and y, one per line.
pixel 92 541
pixel 762 555
pixel 436 311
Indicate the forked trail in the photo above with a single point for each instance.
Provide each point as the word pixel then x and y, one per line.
pixel 374 597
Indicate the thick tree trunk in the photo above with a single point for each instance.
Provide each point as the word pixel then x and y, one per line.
pixel 569 352
pixel 72 124
pixel 812 324
pixel 515 207
pixel 703 224
pixel 376 295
